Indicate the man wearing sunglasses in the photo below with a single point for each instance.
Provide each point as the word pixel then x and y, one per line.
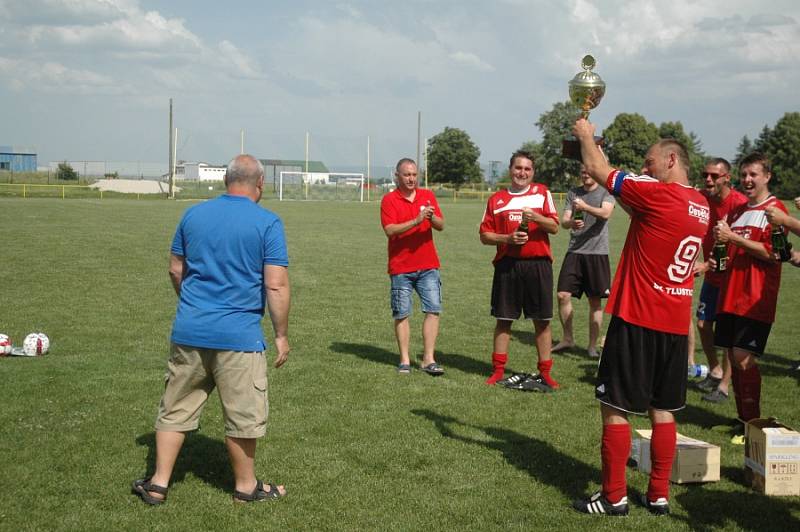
pixel 722 199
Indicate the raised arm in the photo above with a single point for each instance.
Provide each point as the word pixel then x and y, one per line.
pixel 593 159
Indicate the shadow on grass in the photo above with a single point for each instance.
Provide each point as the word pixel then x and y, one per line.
pixel 204 457
pixel 391 358
pixel 772 365
pixel 710 509
pixel 537 458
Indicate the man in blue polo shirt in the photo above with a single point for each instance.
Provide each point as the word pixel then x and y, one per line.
pixel 228 263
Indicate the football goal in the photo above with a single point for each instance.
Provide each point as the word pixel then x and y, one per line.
pixel 321 186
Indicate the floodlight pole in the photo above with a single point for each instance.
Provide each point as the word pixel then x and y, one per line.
pixel 419 133
pixel 425 152
pixel 306 172
pixel 241 134
pixel 171 170
pixel 174 162
pixel 367 168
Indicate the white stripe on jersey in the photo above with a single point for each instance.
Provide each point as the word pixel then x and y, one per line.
pixel 517 203
pixel 755 218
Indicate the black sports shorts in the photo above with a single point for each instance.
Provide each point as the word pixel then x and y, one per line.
pixel 585 274
pixel 642 368
pixel 745 333
pixel 522 285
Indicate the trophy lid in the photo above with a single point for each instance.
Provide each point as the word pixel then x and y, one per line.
pixel 587 78
pixel 586 89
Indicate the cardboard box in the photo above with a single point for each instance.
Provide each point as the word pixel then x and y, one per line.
pixel 772 457
pixel 695 460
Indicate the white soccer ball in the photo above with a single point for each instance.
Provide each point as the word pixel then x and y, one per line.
pixel 36 344
pixel 5 345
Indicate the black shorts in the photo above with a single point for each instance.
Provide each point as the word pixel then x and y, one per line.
pixel 522 285
pixel 745 333
pixel 642 368
pixel 585 274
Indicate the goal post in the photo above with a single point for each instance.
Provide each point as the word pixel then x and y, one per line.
pixel 332 186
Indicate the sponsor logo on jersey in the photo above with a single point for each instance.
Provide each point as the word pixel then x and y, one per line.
pixel 515 217
pixel 701 212
pixel 500 201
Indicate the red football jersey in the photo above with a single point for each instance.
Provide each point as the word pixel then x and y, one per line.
pixel 504 214
pixel 654 283
pixel 750 286
pixel 414 249
pixel 719 211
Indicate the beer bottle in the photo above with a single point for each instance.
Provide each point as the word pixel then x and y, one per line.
pixel 721 256
pixel 523 227
pixel 781 247
pixel 577 216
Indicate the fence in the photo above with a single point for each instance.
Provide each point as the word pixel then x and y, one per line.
pixel 206 190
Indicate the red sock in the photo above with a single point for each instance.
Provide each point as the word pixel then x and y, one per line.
pixel 662 454
pixel 737 389
pixel 614 451
pixel 544 370
pixel 499 362
pixel 749 404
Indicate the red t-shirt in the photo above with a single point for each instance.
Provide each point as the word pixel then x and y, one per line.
pixel 414 249
pixel 654 283
pixel 719 211
pixel 504 214
pixel 750 285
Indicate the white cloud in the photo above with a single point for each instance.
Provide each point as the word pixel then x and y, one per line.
pixel 472 60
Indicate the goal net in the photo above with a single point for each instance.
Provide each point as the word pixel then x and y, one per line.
pixel 321 186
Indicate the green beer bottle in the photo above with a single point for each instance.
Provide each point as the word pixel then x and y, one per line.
pixel 781 247
pixel 577 216
pixel 721 256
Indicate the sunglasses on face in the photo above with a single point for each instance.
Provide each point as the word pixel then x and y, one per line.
pixel 712 175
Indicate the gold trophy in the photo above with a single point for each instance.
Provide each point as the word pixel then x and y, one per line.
pixel 586 90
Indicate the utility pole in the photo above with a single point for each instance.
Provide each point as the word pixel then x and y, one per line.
pixel 367 169
pixel 494 171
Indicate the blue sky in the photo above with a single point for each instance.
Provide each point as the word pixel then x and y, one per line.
pixel 91 80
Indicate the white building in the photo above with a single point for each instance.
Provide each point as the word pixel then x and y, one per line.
pixel 200 172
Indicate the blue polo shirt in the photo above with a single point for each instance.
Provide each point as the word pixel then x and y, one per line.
pixel 225 242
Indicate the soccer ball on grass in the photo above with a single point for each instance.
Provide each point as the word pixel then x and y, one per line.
pixel 5 345
pixel 36 344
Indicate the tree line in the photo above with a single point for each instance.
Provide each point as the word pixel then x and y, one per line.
pixel 453 157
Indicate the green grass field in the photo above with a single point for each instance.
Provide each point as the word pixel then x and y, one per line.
pixel 358 446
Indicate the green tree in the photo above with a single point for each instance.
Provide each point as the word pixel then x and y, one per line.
pixel 65 172
pixel 628 138
pixel 780 144
pixel 745 148
pixel 552 169
pixel 453 158
pixel 697 157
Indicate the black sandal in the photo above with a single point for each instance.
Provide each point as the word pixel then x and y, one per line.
pixel 142 487
pixel 259 494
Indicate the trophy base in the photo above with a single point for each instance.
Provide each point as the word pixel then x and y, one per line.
pixel 571 147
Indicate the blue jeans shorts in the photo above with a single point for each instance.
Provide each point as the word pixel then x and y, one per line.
pixel 707 306
pixel 428 286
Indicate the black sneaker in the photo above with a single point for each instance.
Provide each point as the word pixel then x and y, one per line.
pixel 659 506
pixel 709 384
pixel 597 504
pixel 717 396
pixel 514 380
pixel 535 383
